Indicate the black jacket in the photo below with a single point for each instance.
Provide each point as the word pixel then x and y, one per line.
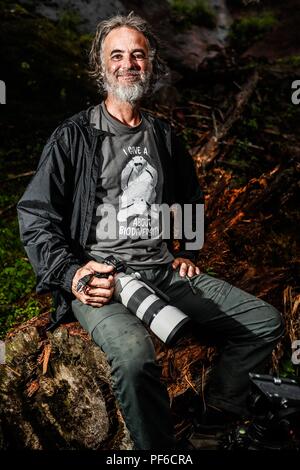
pixel 56 209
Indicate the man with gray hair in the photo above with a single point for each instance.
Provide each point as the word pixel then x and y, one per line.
pixel 114 154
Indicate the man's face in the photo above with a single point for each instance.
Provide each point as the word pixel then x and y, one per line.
pixel 126 64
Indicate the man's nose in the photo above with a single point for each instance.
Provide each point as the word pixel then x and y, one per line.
pixel 129 62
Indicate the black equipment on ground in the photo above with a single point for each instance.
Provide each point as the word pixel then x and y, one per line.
pixel 274 404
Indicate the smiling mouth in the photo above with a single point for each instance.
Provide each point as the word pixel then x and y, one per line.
pixel 129 76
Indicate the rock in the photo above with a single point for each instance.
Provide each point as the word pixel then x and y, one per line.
pixel 90 12
pixel 184 49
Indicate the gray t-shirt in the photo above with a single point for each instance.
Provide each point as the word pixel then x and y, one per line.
pixel 126 220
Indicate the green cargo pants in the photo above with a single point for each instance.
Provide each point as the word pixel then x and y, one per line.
pixel 245 327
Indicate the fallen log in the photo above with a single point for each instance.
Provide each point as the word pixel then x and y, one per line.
pixel 56 393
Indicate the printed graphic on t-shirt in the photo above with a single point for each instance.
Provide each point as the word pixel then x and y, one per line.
pixel 136 215
pixel 137 212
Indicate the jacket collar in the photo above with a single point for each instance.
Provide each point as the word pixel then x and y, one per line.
pixel 90 119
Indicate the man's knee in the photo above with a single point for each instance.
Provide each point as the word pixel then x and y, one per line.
pixel 274 327
pixel 131 352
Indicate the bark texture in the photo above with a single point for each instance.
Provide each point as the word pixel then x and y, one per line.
pixel 56 393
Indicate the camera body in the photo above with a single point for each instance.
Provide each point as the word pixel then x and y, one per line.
pixel 274 404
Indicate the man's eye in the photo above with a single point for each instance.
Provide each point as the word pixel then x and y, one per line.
pixel 139 56
pixel 117 57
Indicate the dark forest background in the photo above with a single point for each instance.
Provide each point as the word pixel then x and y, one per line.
pixel 229 96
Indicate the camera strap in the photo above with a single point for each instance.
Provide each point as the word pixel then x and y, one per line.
pixel 138 276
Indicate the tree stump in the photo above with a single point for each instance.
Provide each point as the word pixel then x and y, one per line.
pixel 55 388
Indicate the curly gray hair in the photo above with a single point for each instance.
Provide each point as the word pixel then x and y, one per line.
pixel 159 68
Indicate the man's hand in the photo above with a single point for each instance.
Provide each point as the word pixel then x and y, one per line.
pixel 98 291
pixel 186 267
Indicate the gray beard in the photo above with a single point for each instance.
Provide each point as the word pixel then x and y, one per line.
pixel 128 93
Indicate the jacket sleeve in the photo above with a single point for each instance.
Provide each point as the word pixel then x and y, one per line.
pixel 43 213
pixel 187 191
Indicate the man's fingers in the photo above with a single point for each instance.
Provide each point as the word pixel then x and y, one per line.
pixel 183 269
pixel 186 268
pixel 102 282
pixel 191 270
pixel 96 267
pixel 175 263
pixel 88 270
pixel 96 300
pixel 98 292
